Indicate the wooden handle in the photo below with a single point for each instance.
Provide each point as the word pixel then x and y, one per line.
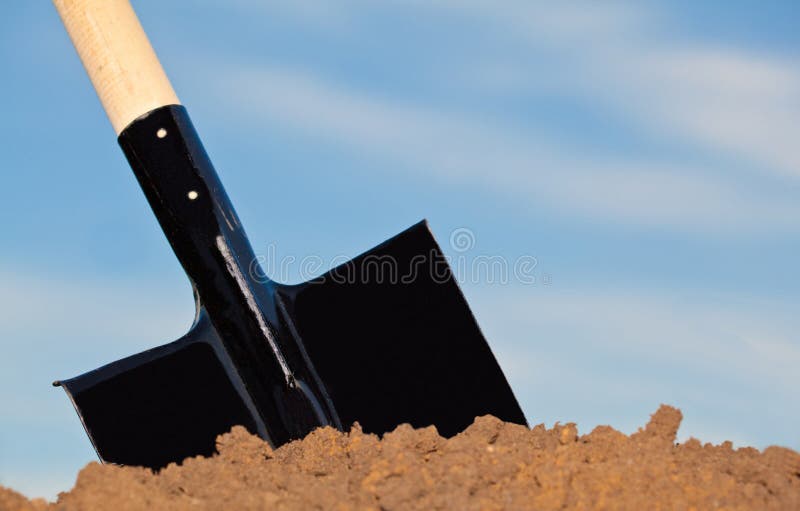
pixel 118 57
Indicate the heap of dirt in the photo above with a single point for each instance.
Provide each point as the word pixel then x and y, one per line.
pixel 490 466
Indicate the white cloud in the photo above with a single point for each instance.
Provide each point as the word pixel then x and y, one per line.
pixel 728 99
pixel 731 106
pixel 728 362
pixel 743 105
pixel 455 147
pixel 756 339
pixel 42 304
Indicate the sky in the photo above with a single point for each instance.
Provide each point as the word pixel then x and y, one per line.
pixel 640 156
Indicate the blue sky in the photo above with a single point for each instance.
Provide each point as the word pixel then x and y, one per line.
pixel 644 153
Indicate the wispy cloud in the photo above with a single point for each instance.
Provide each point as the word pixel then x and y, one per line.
pixel 729 361
pixel 728 99
pixel 127 313
pixel 734 105
pixel 744 105
pixel 754 339
pixel 455 147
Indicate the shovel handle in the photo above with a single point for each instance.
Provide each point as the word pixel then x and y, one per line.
pixel 118 58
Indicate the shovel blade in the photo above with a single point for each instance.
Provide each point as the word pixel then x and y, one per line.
pixel 394 341
pixel 164 404
pixel 388 335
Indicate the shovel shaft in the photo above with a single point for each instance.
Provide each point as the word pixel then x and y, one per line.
pixel 205 233
pixel 197 217
pixel 118 58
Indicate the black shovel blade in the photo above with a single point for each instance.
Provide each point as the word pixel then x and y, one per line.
pixel 389 335
pixel 165 404
pixel 393 340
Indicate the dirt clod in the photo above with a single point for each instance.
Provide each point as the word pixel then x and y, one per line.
pixel 490 466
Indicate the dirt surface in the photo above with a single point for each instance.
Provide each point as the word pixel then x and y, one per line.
pixel 490 466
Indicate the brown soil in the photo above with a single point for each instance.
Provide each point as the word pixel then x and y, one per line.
pixel 490 466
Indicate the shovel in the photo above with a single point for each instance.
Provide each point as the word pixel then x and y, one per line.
pixel 384 339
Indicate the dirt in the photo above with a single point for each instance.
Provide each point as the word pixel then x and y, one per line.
pixel 490 466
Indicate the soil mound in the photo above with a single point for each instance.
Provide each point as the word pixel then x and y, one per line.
pixel 490 466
